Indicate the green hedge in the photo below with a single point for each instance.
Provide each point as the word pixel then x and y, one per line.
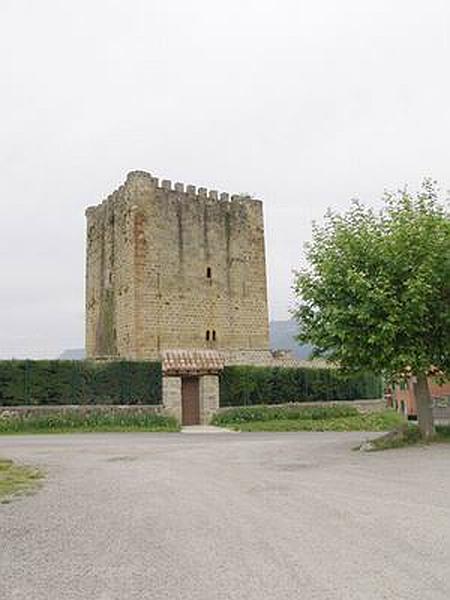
pixel 248 385
pixel 79 382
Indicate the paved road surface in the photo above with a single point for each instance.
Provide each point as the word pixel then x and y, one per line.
pixel 242 516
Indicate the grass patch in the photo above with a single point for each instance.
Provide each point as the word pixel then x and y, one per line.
pixel 405 436
pixel 16 479
pixel 332 418
pixel 73 421
pixel 442 433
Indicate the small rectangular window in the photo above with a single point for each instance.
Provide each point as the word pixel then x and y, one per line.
pixel 214 336
pixel 207 335
pixel 208 272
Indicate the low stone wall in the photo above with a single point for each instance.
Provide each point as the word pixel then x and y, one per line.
pixel 363 406
pixel 23 412
pixel 208 399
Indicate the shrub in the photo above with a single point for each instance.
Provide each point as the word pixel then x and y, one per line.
pixel 46 382
pixel 329 418
pixel 94 421
pixel 247 414
pixel 249 385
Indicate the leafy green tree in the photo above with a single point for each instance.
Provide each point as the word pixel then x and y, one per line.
pixel 375 294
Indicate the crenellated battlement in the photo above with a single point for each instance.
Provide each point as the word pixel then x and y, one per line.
pixel 145 179
pixel 142 181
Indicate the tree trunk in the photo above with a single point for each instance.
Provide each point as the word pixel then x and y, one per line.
pixel 423 406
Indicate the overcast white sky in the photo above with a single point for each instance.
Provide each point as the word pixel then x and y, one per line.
pixel 303 103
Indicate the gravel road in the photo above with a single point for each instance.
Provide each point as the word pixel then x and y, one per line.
pixel 253 516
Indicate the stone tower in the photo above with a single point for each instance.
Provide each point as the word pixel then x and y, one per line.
pixel 170 267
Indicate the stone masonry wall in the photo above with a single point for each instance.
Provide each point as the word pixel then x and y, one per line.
pixel 363 406
pixel 110 285
pixel 209 397
pixel 168 264
pixel 23 412
pixel 171 397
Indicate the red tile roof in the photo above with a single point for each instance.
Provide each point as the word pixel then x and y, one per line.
pixel 192 361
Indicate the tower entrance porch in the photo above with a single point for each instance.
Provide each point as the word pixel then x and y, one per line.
pixel 191 384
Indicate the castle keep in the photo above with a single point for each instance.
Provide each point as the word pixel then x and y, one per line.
pixel 171 267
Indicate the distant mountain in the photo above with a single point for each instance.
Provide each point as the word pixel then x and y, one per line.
pixel 73 354
pixel 282 337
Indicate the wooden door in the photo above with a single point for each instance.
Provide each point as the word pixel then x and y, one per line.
pixel 190 401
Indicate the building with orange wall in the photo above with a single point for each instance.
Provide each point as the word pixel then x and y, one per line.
pixel 401 397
